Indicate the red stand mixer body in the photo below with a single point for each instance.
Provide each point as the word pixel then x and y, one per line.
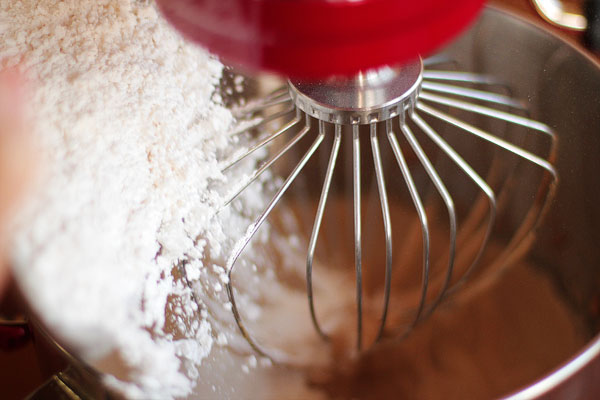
pixel 317 38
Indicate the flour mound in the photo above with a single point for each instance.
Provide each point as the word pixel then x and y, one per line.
pixel 124 113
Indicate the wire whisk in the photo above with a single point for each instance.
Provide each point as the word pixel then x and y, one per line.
pixel 409 117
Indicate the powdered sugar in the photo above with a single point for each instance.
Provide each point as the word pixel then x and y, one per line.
pixel 124 113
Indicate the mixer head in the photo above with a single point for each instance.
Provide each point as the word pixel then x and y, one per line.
pixel 316 38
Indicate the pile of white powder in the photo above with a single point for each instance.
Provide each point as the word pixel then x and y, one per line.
pixel 130 128
pixel 122 250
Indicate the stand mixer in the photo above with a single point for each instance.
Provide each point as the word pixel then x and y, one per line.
pixel 355 74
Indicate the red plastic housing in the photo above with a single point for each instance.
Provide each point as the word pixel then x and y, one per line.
pixel 317 38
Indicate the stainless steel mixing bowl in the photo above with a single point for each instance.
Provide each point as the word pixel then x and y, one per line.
pixel 562 86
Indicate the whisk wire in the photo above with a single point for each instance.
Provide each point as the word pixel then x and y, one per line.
pixel 416 198
pixel 252 229
pixel 492 113
pixel 474 94
pixel 253 108
pixel 262 103
pixel 257 173
pixel 477 179
pixel 387 224
pixel 489 138
pixel 357 231
pixel 318 220
pixel 265 141
pixel 262 121
pixel 544 196
pixel 438 59
pixel 466 77
pixel 448 201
